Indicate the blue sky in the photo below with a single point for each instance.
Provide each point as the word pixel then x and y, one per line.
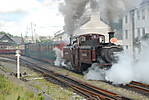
pixel 17 15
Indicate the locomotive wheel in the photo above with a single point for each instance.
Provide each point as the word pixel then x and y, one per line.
pixel 84 67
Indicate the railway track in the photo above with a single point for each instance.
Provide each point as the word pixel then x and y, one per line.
pixel 139 86
pixel 89 91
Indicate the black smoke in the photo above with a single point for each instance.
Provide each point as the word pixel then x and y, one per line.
pixel 110 10
pixel 72 11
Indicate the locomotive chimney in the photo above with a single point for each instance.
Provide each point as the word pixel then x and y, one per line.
pixel 111 35
pixel 70 40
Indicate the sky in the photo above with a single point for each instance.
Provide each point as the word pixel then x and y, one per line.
pixel 16 17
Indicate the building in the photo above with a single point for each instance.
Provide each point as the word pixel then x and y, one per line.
pixel 28 39
pixel 61 36
pixel 44 38
pixel 94 25
pixel 135 25
pixel 9 42
pixel 6 39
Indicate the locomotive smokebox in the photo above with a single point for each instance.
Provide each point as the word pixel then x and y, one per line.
pixel 111 35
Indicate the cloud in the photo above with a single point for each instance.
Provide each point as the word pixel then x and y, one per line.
pixel 11 27
pixel 17 15
pixel 10 6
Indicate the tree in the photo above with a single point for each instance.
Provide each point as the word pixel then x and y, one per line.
pixel 2 33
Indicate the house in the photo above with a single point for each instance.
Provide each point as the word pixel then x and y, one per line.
pixel 7 41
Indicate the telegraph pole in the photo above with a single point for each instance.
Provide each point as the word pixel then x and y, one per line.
pixel 32 31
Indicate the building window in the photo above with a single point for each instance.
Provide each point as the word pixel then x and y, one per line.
pixel 143 14
pixel 143 31
pixel 138 31
pixel 138 15
pixel 126 19
pixel 126 46
pixel 126 34
pixel 4 40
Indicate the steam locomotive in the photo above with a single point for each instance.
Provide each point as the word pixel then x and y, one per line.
pixel 91 48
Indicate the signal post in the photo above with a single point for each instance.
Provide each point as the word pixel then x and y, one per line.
pixel 18 63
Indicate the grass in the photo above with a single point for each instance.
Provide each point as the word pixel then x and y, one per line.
pixel 55 91
pixel 3 68
pixel 11 91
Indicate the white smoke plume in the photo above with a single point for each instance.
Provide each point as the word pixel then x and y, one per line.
pixel 122 72
pixel 59 56
pixel 60 62
pixel 142 64
pixel 126 70
pixel 95 73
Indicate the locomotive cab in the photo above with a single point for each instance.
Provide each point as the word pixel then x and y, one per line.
pixel 91 39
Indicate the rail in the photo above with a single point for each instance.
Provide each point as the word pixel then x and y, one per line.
pixel 140 86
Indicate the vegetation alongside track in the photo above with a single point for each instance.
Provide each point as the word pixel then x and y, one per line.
pixel 39 86
pixel 11 91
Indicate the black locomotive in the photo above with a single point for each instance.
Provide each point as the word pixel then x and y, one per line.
pixel 91 48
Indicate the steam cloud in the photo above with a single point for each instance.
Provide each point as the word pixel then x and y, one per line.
pixel 59 55
pixel 60 62
pixel 122 72
pixel 95 73
pixel 110 10
pixel 126 70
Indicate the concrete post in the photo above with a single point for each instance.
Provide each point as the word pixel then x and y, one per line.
pixel 18 63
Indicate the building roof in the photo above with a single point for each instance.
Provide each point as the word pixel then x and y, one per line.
pixel 94 25
pixel 17 40
pixel 1 35
pixel 59 32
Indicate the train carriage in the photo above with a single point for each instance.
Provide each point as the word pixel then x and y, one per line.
pixel 42 51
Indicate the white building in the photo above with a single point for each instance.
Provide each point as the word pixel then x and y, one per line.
pixel 135 25
pixel 93 23
pixel 61 36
